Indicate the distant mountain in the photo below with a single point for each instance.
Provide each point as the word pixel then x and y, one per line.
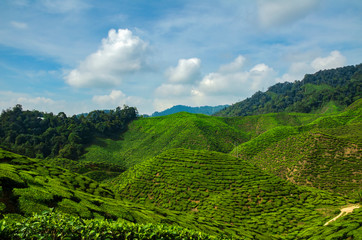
pixel 324 91
pixel 207 110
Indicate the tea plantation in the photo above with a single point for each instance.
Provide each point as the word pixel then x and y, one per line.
pixel 325 153
pixel 212 186
pixel 148 137
pixel 31 186
pixel 191 176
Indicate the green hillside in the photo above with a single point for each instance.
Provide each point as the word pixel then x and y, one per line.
pixel 348 227
pixel 30 186
pixel 148 137
pixel 324 91
pixel 325 153
pixel 278 175
pixel 232 194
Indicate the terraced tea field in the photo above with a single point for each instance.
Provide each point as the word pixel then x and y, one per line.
pixel 29 186
pixel 212 186
pixel 325 153
pixel 148 137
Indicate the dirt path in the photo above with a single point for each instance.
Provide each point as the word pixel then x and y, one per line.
pixel 344 211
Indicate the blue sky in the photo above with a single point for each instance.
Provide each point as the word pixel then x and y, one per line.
pixel 80 55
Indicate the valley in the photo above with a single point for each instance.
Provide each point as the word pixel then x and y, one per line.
pixel 282 174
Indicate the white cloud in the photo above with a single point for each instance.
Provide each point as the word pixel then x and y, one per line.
pixel 187 70
pixel 334 60
pixel 229 84
pixel 180 80
pixel 120 53
pixel 115 97
pixel 236 65
pixel 19 25
pixel 276 12
pixel 261 76
pixel 9 99
pixel 297 70
pixel 238 82
pixel 35 101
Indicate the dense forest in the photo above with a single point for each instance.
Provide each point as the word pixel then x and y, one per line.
pixel 39 134
pixel 335 88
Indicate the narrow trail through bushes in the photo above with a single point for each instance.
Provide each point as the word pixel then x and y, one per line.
pixel 344 211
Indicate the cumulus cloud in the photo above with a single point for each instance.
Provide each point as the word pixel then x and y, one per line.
pixel 120 53
pixel 187 70
pixel 115 97
pixel 9 99
pixel 230 83
pixel 298 69
pixel 180 79
pixel 238 82
pixel 334 60
pixel 236 65
pixel 276 12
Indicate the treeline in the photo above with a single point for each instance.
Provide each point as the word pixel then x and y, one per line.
pixel 41 135
pixel 207 110
pixel 342 86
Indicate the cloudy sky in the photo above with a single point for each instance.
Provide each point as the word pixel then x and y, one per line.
pixel 80 55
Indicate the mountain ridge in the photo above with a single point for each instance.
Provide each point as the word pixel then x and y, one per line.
pixel 340 86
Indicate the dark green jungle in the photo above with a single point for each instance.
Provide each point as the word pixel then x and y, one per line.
pixel 282 164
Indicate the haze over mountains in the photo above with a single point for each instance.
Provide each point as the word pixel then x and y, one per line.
pixel 278 165
pixel 207 110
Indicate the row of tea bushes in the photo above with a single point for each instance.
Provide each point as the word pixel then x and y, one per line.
pixel 225 191
pixel 53 225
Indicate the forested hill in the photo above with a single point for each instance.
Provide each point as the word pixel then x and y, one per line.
pixel 207 110
pixel 39 134
pixel 325 90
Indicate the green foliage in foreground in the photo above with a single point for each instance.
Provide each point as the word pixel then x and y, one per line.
pixel 30 185
pixel 51 225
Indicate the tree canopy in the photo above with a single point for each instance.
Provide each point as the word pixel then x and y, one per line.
pixel 341 86
pixel 40 134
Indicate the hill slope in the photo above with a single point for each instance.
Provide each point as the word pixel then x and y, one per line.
pixel 222 191
pixel 30 186
pixel 148 137
pixel 325 153
pixel 323 91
